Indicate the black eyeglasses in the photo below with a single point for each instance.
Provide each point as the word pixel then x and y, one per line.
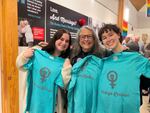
pixel 88 37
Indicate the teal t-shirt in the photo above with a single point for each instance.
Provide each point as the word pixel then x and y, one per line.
pixel 44 77
pixel 82 89
pixel 118 90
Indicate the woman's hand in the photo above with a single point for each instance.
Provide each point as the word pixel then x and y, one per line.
pixel 125 48
pixel 28 52
pixel 42 44
pixel 67 63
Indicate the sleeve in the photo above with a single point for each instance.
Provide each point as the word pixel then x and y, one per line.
pixel 77 67
pixel 28 65
pixel 20 61
pixel 70 94
pixel 143 66
pixel 146 71
pixel 66 75
pixel 59 80
pixel 72 82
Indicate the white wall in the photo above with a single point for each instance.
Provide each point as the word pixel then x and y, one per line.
pixel 132 14
pixel 144 21
pixel 141 24
pixel 132 17
pixel 97 9
pixel 113 5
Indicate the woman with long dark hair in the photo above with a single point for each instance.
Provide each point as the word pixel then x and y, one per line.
pixel 44 72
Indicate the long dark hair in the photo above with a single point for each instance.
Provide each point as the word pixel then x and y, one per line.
pixel 50 48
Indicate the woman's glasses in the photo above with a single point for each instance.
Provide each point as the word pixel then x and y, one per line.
pixel 87 37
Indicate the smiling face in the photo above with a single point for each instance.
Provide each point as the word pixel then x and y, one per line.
pixel 110 40
pixel 62 43
pixel 86 40
pixel 110 36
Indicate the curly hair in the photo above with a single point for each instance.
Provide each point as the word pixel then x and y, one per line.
pixel 109 27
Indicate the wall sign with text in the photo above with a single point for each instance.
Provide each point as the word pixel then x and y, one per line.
pixel 40 19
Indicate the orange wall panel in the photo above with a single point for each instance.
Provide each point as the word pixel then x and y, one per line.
pixel 9 51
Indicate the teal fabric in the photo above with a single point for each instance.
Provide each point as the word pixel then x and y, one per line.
pixel 118 90
pixel 82 89
pixel 44 77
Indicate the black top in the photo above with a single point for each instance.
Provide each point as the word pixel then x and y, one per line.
pixel 80 56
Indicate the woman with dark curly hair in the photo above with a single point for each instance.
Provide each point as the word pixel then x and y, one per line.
pixel 118 90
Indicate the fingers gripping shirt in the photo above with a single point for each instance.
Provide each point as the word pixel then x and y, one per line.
pixel 82 89
pixel 44 77
pixel 118 90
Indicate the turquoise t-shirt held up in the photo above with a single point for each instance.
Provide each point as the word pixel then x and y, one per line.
pixel 82 89
pixel 118 90
pixel 44 77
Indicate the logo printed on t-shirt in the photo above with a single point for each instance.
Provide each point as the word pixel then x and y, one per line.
pixel 112 77
pixel 44 73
